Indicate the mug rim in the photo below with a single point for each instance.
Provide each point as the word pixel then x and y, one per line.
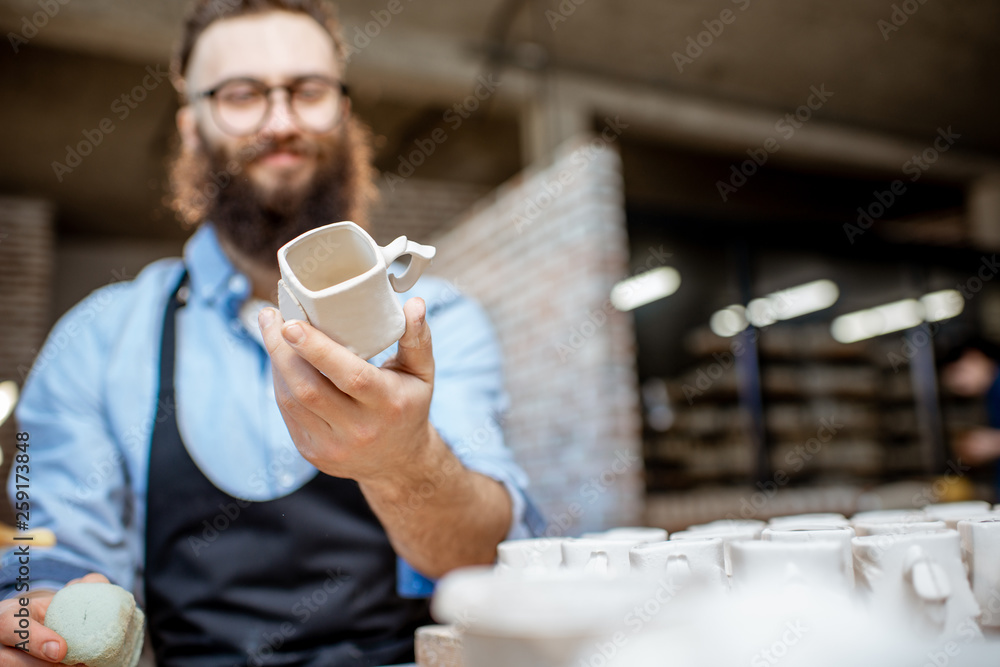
pixel 289 276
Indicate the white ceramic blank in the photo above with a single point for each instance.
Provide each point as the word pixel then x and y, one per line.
pixel 952 513
pixel 335 277
pixel 840 535
pixel 888 516
pixel 540 553
pixel 981 551
pixel 727 531
pixel 630 534
pixel 815 518
pixel 863 528
pixel 758 564
pixel 597 556
pixel 917 576
pixel 698 561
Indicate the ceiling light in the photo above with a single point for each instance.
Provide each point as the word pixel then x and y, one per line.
pixel 645 288
pixel 942 305
pixel 728 321
pixel 792 302
pixel 877 321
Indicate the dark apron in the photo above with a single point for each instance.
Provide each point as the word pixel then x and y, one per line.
pixel 308 579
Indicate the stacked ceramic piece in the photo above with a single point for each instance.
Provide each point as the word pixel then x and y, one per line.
pixel 898 583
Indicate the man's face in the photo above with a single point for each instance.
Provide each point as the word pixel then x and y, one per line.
pixel 275 48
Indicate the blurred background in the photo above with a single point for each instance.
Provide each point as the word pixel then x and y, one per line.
pixel 763 172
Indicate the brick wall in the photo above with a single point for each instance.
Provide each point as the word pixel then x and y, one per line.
pixel 26 242
pixel 418 208
pixel 541 253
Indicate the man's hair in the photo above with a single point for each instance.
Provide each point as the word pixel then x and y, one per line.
pixel 204 13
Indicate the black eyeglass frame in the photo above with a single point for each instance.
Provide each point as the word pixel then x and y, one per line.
pixel 266 90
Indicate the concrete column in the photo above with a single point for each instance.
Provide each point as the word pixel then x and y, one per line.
pixel 984 211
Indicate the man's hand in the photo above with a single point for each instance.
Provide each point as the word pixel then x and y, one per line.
pixel 347 417
pixel 978 446
pixel 44 645
pixel 351 419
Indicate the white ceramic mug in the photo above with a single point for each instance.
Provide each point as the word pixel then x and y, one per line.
pixel 336 278
pixel 764 564
pixel 841 535
pixel 699 560
pixel 863 528
pixel 919 577
pixel 539 554
pixel 981 553
pixel 630 534
pixel 952 513
pixel 597 556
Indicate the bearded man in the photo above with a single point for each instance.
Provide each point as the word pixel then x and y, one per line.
pixel 268 496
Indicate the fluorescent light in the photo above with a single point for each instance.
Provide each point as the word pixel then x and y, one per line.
pixel 804 299
pixel 729 321
pixel 8 399
pixel 645 288
pixel 760 312
pixel 792 302
pixel 877 321
pixel 942 305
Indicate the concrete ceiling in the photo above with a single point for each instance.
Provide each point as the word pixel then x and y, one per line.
pixel 935 70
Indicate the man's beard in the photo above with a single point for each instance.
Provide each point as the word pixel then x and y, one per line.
pixel 211 186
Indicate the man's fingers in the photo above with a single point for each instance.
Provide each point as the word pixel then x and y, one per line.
pixel 302 387
pixel 348 372
pixel 92 578
pixel 300 414
pixel 13 657
pixel 28 631
pixel 414 355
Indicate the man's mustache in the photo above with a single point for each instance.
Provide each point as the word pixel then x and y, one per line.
pixel 293 145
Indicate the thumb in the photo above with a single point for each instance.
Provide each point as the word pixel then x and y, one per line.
pixel 415 355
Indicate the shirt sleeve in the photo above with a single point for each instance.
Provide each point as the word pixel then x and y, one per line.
pixel 468 410
pixel 470 404
pixel 77 484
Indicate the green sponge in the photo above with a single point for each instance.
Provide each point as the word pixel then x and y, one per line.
pixel 100 622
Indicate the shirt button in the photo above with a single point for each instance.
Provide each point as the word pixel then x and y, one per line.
pixel 238 284
pixel 286 480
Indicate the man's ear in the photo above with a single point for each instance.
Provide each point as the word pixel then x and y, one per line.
pixel 187 126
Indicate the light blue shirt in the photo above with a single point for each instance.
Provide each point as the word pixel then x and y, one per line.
pixel 89 406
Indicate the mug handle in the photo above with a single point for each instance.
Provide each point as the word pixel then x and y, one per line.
pixel 420 259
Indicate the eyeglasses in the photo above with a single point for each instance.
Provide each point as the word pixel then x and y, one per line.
pixel 242 106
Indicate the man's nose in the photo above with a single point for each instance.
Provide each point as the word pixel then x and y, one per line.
pixel 280 121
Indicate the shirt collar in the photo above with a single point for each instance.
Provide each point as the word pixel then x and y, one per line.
pixel 213 277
